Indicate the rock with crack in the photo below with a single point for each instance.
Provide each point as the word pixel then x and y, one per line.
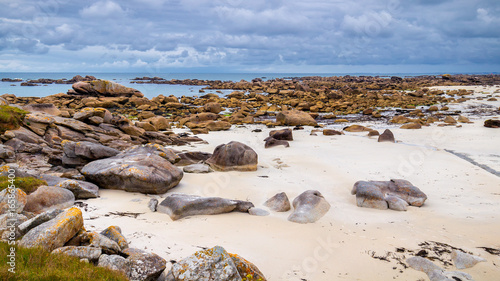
pixel 80 153
pixel 391 194
pixel 309 207
pixel 178 206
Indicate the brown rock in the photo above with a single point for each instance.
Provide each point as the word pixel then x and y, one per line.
pixel 49 197
pixel 449 120
pixel 284 134
pixel 411 126
pixel 234 156
pixel 295 118
pixel 330 132
pixel 357 128
pixel 491 123
pixel 386 136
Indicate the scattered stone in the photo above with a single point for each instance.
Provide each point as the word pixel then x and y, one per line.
pixel 491 123
pixel 330 132
pixel 258 212
pixel 81 189
pixel 356 128
pixel 278 203
pixel 272 142
pixel 115 233
pixel 153 204
pixel 56 232
pixel 411 126
pixel 309 207
pixel 450 120
pixel 464 260
pixel 463 119
pixel 284 134
pixel 386 136
pixel 373 133
pixel 198 168
pixel 234 156
pixel 178 206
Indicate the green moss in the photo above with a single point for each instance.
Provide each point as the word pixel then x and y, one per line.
pixel 10 118
pixel 27 184
pixel 37 264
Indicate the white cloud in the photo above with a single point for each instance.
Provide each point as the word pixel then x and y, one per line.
pixel 103 9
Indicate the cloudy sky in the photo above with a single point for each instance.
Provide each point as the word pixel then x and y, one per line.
pixel 250 36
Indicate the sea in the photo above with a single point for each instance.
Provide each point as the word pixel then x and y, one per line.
pixel 153 90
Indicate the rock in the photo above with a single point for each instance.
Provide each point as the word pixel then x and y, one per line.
pixel 386 136
pixel 411 126
pixel 330 132
pixel 81 189
pixel 145 266
pixel 157 149
pixel 213 107
pixel 463 260
pixel 8 226
pixel 284 134
pixel 73 124
pixel 272 142
pixel 135 170
pixel 115 233
pixel 7 153
pixel 197 169
pixel 400 119
pixel 422 264
pixel 178 206
pixel 373 133
pixel 218 125
pixel 433 108
pixel 278 203
pixel 38 122
pixel 38 220
pixel 146 126
pixel 153 204
pixel 234 156
pixel 356 128
pixel 159 122
pixel 188 158
pixel 491 123
pixel 450 120
pixel 309 207
pixel 258 212
pixel 295 118
pixel 379 194
pixel 87 113
pixel 98 240
pixel 17 198
pixel 82 252
pixel 42 107
pixel 114 262
pixel 104 88
pixel 434 272
pixel 214 264
pixel 56 232
pixel 46 198
pixel 463 119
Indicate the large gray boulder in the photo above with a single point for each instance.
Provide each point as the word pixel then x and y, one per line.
pixel 234 156
pixel 135 170
pixel 145 266
pixel 47 198
pixel 81 189
pixel 214 264
pixel 309 207
pixel 56 232
pixel 80 153
pixel 395 194
pixel 178 206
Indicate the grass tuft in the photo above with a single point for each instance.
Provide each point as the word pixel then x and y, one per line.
pixel 26 184
pixel 10 118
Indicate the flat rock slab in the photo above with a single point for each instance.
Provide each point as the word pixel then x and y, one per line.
pixel 178 206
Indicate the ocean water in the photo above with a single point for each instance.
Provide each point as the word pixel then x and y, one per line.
pixel 149 90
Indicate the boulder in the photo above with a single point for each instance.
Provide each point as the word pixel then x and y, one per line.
pixel 12 201
pixel 56 232
pixel 463 260
pixel 178 206
pixel 284 134
pixel 434 272
pixel 213 107
pixel 356 129
pixel 258 212
pixel 400 119
pixel 48 108
pixel 198 168
pixel 492 123
pixel 373 133
pixel 295 118
pixel 135 170
pixel 38 122
pixel 272 142
pixel 411 126
pixel 115 233
pixel 100 88
pixel 114 262
pixel 87 113
pixel 82 252
pixel 98 240
pixel 38 220
pixel 153 204
pixel 309 207
pixel 330 132
pixel 380 194
pixel 449 120
pixel 7 153
pixel 217 125
pixel 386 136
pixel 81 189
pixel 214 264
pixel 145 266
pixel 8 223
pixel 278 203
pixel 46 198
pixel 463 119
pixel 234 156
pixel 188 158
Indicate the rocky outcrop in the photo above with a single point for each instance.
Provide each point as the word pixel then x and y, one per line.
pixel 395 194
pixel 46 198
pixel 233 156
pixel 178 206
pixel 56 232
pixel 214 264
pixel 135 170
pixel 103 88
pixel 80 153
pixel 309 207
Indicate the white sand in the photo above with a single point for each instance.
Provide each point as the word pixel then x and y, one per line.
pixel 463 206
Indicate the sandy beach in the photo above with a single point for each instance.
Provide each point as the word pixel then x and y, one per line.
pixel 462 210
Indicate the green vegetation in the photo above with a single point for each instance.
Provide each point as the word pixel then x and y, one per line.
pixel 37 264
pixel 10 118
pixel 27 184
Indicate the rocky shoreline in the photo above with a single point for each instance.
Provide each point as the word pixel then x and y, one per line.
pixel 104 135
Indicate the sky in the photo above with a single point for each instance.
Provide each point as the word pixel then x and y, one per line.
pixel 259 36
